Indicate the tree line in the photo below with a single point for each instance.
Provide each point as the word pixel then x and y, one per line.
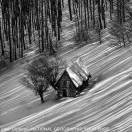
pixel 96 14
pixel 23 21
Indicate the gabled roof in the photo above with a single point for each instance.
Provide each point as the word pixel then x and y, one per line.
pixel 77 72
pixel 74 77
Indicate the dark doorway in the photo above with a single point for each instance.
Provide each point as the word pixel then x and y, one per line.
pixel 64 93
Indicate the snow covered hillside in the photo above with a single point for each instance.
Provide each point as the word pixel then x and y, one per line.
pixel 107 107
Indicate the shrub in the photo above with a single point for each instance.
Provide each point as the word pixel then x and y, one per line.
pixel 81 35
pixel 121 32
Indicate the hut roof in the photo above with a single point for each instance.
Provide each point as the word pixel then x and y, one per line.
pixel 77 72
pixel 77 80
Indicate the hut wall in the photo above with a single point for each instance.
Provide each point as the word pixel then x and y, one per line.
pixel 65 84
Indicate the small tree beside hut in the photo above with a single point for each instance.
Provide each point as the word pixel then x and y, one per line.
pixel 41 73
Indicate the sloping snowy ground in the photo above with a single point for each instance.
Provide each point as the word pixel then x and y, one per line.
pixel 107 107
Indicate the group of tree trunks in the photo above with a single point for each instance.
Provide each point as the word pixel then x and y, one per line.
pixel 23 20
pixel 94 14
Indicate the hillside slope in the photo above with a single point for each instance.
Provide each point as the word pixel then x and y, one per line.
pixel 107 107
pixel 108 104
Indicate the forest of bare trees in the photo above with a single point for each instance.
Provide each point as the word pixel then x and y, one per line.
pixel 99 14
pixel 25 23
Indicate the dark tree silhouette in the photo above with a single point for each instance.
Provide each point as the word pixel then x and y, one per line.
pixel 41 73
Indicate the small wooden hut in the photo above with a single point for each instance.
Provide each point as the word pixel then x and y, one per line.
pixel 72 80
